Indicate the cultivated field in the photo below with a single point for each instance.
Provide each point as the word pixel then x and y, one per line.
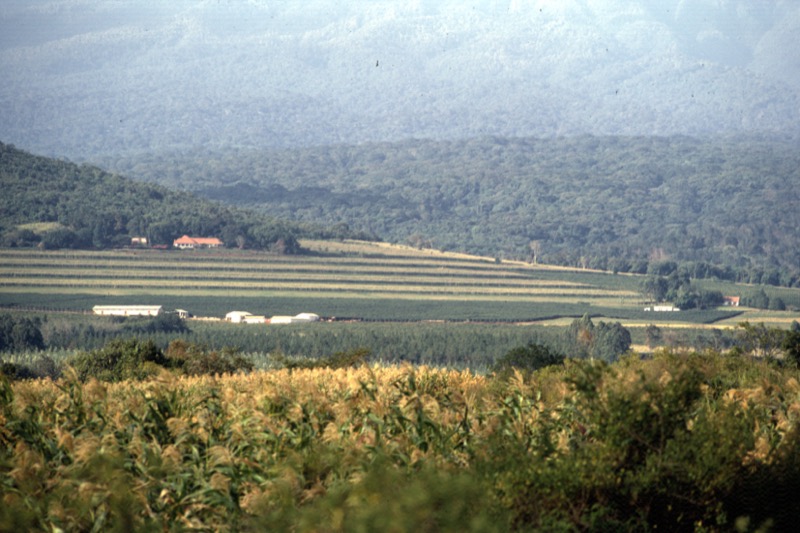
pixel 675 443
pixel 336 279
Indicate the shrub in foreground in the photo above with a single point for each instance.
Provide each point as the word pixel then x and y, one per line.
pixel 527 359
pixel 120 359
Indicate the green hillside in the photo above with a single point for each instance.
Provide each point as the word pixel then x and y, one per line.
pixel 724 208
pixel 58 204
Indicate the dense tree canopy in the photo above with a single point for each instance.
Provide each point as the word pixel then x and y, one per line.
pixel 88 207
pixel 605 341
pixel 721 208
pixel 19 333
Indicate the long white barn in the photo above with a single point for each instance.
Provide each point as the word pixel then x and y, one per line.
pixel 302 317
pixel 127 310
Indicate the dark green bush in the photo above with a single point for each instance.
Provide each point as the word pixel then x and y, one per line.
pixel 527 359
pixel 346 359
pixel 194 359
pixel 387 498
pixel 120 359
pixel 791 346
pixel 42 367
pixel 162 323
pixel 636 446
pixel 19 334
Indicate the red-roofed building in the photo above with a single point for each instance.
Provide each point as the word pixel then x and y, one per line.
pixel 196 242
pixel 732 301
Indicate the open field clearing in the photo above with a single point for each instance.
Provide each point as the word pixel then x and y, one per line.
pixel 346 273
pixel 373 281
pixel 338 286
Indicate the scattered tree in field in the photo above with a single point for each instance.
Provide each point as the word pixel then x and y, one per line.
pixel 759 300
pixel 654 288
pixel 18 334
pixel 791 346
pixel 678 288
pixel 605 341
pixel 777 304
pixel 759 340
pixel 611 340
pixel 579 338
pixel 690 297
pixel 653 336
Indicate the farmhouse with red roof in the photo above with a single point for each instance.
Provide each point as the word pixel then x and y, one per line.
pixel 187 242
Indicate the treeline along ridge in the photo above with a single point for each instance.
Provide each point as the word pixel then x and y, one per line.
pixel 722 208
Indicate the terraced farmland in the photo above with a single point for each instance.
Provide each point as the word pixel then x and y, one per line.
pixel 350 280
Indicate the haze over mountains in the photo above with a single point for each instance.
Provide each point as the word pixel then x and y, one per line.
pixel 85 79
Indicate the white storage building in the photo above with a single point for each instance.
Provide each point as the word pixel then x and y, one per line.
pixel 237 316
pixel 297 319
pixel 127 310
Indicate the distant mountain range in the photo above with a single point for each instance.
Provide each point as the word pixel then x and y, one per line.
pixel 84 79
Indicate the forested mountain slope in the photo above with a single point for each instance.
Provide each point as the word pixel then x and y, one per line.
pixel 82 79
pixel 93 208
pixel 608 202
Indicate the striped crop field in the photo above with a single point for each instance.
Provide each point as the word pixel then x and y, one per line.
pixel 350 279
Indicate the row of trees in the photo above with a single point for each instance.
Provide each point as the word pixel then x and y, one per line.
pixel 132 358
pixel 680 291
pixel 611 341
pixel 137 357
pixel 119 355
pixel 677 287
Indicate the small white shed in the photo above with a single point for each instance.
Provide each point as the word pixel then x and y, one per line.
pixel 237 316
pixel 297 319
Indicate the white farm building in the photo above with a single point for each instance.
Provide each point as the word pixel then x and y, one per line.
pixel 297 319
pixel 244 317
pixel 237 317
pixel 127 310
pixel 662 308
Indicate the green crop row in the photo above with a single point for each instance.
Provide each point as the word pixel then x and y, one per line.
pixel 280 277
pixel 383 285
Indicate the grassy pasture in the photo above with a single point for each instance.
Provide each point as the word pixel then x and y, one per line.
pixel 342 279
